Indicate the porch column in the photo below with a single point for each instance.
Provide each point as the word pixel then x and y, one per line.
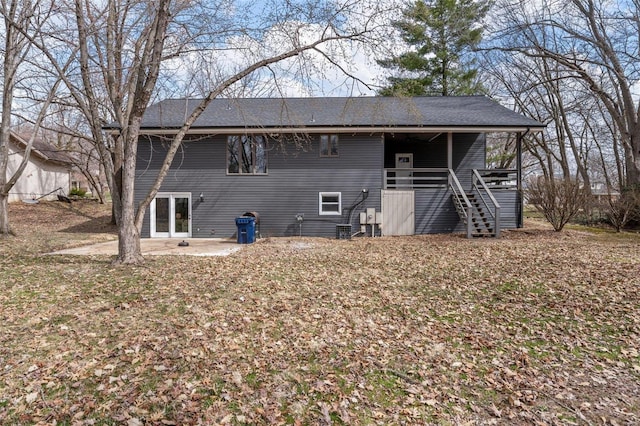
pixel 520 216
pixel 450 150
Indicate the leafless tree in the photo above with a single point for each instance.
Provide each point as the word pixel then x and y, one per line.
pixel 129 50
pixel 22 19
pixel 67 128
pixel 594 43
pixel 580 141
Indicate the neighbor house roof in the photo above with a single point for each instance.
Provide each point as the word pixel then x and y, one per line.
pixel 347 114
pixel 41 149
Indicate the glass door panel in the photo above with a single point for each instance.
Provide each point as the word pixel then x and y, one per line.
pixel 181 222
pixel 162 214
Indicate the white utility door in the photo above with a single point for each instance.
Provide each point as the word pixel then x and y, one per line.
pixel 404 178
pixel 171 215
pixel 398 212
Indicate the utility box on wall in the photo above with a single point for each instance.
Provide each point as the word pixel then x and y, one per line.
pixel 371 216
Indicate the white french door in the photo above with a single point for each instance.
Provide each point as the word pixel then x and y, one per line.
pixel 171 215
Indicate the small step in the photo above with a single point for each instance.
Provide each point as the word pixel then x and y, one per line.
pixel 483 235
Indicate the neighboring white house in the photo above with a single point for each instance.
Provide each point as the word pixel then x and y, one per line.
pixel 48 169
pixel 601 192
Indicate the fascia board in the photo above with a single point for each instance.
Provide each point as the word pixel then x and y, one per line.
pixel 340 130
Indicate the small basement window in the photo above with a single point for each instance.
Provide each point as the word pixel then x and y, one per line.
pixel 328 145
pixel 330 203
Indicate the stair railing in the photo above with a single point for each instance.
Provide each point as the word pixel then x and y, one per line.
pixel 480 186
pixel 463 204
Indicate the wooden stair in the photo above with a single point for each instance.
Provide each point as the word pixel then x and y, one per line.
pixel 482 223
pixel 477 207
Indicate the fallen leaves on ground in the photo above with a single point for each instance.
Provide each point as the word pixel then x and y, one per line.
pixel 534 328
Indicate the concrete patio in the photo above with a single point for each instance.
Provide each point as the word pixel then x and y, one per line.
pixel 163 247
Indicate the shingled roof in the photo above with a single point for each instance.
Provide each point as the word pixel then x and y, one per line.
pixel 42 149
pixel 455 113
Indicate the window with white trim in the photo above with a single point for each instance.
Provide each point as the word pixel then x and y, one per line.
pixel 246 154
pixel 328 145
pixel 330 203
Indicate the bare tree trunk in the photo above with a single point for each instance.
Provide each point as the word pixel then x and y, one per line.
pixel 5 229
pixel 4 192
pixel 12 56
pixel 620 163
pixel 129 251
pixel 116 187
pixel 632 156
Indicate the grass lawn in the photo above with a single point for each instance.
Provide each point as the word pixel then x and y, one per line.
pixel 534 328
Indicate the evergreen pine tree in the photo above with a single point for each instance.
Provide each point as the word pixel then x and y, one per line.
pixel 442 35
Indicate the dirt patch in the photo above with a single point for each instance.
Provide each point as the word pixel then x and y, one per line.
pixel 53 225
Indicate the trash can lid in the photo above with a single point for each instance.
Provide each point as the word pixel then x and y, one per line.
pixel 255 215
pixel 244 220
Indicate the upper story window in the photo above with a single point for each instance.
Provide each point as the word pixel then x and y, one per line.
pixel 328 145
pixel 246 154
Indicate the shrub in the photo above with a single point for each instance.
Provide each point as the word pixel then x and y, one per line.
pixel 623 209
pixel 78 192
pixel 559 200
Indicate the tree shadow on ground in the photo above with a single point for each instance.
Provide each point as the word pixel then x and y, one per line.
pixel 96 225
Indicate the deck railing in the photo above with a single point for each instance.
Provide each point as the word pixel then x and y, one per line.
pixel 494 179
pixel 497 179
pixel 416 178
pixel 483 183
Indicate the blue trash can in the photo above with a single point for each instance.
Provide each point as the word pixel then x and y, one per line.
pixel 246 229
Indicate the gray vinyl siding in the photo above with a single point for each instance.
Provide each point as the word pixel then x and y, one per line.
pixel 435 212
pixel 292 185
pixel 469 152
pixel 434 209
pixel 296 176
pixel 510 207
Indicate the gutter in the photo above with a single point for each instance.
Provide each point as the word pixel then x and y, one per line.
pixel 331 129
